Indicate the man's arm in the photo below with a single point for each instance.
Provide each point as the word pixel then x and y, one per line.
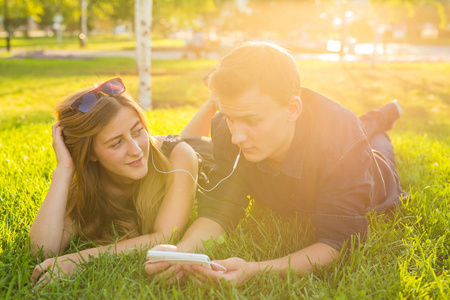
pixel 238 270
pixel 200 124
pixel 303 261
pixel 201 230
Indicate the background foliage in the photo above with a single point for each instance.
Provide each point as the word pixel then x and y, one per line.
pixel 258 18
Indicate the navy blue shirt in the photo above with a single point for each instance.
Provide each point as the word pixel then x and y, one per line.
pixel 330 172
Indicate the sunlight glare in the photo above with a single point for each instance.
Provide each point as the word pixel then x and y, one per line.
pixel 333 46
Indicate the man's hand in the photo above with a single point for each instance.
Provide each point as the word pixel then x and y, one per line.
pixel 165 270
pixel 238 271
pixel 52 270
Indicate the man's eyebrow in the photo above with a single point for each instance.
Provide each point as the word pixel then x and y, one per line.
pixel 242 117
pixel 120 135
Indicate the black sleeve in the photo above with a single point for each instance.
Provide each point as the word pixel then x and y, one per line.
pixel 341 207
pixel 225 204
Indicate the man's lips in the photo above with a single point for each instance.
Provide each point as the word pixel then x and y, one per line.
pixel 246 149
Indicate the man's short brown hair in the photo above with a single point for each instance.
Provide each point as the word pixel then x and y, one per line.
pixel 256 64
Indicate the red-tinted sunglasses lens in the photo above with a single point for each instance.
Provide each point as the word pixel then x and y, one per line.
pixel 87 102
pixel 113 87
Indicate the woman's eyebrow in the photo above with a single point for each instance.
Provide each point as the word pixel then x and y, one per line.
pixel 120 135
pixel 113 138
pixel 136 124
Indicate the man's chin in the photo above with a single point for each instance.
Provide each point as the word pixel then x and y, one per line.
pixel 251 157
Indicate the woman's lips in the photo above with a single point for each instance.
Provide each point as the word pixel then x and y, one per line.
pixel 136 162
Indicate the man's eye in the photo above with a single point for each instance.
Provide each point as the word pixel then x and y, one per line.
pixel 252 121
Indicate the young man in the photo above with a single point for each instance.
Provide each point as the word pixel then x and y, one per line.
pixel 299 152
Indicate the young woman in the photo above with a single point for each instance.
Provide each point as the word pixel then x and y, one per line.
pixel 111 182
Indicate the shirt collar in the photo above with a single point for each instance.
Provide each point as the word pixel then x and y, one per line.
pixel 293 164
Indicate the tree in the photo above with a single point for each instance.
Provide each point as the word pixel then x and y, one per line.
pixel 413 12
pixel 143 21
pixel 68 9
pixel 6 25
pixel 170 15
pixel 110 13
pixel 18 12
pixel 184 11
pixel 83 23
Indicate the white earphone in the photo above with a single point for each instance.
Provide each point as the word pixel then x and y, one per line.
pixel 186 171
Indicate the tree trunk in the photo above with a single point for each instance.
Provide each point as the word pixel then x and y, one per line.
pixel 143 21
pixel 6 24
pixel 83 23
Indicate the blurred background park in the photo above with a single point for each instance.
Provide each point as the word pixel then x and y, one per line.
pixel 338 29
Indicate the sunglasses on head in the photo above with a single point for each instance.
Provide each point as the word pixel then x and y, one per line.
pixel 85 102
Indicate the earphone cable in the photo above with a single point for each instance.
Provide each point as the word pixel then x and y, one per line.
pixel 186 171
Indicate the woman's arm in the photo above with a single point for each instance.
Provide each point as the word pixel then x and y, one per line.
pixel 201 122
pixel 176 207
pixel 51 230
pixel 171 219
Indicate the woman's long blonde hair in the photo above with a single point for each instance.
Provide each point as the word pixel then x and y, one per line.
pixel 97 217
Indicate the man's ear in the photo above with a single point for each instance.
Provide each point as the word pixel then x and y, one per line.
pixel 294 108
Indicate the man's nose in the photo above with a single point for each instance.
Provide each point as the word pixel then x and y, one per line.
pixel 238 135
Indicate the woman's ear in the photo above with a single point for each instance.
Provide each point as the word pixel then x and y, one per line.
pixel 93 158
pixel 294 108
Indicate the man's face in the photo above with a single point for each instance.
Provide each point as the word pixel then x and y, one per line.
pixel 259 125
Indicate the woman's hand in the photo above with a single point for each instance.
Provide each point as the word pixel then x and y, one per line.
pixel 164 270
pixel 51 229
pixel 63 157
pixel 52 269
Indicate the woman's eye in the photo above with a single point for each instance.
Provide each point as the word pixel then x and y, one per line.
pixel 138 132
pixel 116 144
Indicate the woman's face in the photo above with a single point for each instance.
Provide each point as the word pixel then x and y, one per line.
pixel 122 147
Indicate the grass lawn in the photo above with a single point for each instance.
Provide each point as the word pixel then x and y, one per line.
pixel 95 42
pixel 406 254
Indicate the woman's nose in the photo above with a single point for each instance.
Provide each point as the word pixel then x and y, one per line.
pixel 134 148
